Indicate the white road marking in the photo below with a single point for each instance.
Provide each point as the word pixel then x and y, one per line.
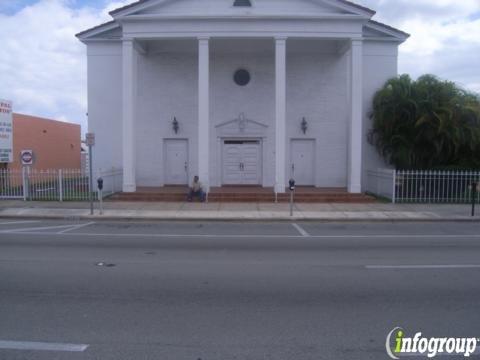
pixel 41 346
pixel 154 235
pixel 20 222
pixel 457 236
pixel 28 229
pixel 458 266
pixel 301 230
pixel 75 227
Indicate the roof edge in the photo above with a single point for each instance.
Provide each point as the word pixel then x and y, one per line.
pixel 128 6
pixel 41 118
pixel 360 7
pixel 109 25
pixel 390 29
pixel 344 2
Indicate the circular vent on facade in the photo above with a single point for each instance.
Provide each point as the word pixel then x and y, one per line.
pixel 241 77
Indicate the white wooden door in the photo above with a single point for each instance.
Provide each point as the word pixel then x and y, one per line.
pixel 242 163
pixel 251 163
pixel 302 167
pixel 232 159
pixel 176 162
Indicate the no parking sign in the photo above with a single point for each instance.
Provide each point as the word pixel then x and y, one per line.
pixel 27 157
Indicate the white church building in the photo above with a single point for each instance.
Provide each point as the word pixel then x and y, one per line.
pixel 239 92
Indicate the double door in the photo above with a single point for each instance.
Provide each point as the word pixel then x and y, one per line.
pixel 241 162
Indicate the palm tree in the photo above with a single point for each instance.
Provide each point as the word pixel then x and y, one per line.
pixel 425 124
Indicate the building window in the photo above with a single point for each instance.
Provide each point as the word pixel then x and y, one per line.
pixel 241 77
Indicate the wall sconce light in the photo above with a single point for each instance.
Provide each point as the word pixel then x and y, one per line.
pixel 175 125
pixel 304 125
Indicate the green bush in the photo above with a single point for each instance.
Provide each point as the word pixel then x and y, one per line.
pixel 426 124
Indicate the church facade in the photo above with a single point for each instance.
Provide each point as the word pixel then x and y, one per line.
pixel 239 92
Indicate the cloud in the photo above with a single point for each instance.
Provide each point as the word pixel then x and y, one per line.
pixel 42 64
pixel 444 39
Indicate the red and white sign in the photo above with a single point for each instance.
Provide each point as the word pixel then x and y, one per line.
pixel 6 132
pixel 27 157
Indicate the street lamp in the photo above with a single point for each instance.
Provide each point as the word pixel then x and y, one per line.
pixel 304 125
pixel 175 125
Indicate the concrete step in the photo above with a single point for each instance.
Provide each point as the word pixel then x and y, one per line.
pixel 247 197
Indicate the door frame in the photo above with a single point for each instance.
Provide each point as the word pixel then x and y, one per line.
pixel 261 153
pixel 314 158
pixel 165 140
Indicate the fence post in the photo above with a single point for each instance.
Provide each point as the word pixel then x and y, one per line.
pixel 60 185
pixel 394 193
pixel 474 196
pixel 24 183
pixel 112 182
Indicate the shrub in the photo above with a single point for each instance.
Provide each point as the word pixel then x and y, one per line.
pixel 426 124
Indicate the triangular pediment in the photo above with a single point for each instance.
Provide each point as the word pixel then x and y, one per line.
pixel 230 7
pixel 241 126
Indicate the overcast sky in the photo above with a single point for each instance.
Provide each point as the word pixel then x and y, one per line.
pixel 43 66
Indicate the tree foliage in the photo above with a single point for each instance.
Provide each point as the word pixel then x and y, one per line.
pixel 425 124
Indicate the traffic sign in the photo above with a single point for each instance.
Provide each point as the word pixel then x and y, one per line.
pixel 90 139
pixel 27 157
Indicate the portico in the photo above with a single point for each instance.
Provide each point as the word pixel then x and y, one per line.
pixel 258 94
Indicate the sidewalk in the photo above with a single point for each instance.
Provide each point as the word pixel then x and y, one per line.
pixel 238 211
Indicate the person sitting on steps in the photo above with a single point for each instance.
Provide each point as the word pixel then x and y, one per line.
pixel 196 190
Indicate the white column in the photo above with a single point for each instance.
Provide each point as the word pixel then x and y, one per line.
pixel 203 111
pixel 356 118
pixel 280 113
pixel 129 63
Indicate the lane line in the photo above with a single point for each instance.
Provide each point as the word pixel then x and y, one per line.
pixel 26 232
pixel 301 230
pixel 41 346
pixel 19 222
pixel 28 229
pixel 76 227
pixel 152 235
pixel 453 266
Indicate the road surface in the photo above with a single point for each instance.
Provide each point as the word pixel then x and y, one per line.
pixel 211 291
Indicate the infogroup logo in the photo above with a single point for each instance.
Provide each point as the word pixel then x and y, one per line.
pixel 398 345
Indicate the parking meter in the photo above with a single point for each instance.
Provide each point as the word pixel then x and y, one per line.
pixel 100 183
pixel 100 195
pixel 291 184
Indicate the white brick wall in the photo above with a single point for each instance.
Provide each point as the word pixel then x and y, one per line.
pixel 379 64
pixel 168 83
pixel 167 88
pixel 255 100
pixel 104 103
pixel 316 90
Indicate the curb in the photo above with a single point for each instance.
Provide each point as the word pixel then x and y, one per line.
pixel 240 219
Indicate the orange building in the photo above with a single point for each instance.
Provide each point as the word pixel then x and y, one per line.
pixel 55 144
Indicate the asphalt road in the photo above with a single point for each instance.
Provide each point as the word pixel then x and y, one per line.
pixel 137 290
